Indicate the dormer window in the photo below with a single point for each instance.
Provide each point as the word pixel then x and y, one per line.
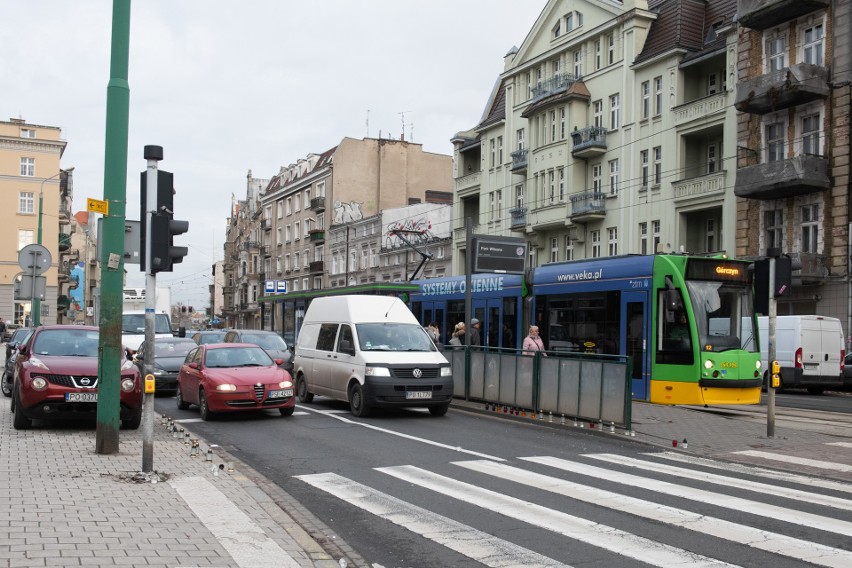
pixel 557 29
pixel 573 20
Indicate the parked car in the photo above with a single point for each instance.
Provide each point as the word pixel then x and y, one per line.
pixel 270 341
pixel 847 373
pixel 56 376
pixel 10 329
pixel 209 336
pixel 169 355
pixel 18 338
pixel 229 377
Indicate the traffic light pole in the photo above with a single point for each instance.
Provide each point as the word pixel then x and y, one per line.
pixel 153 154
pixel 770 384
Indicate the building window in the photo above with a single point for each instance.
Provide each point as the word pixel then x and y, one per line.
pixel 280 208
pixel 532 255
pixel 578 64
pixel 596 179
pixel 562 117
pixel 561 185
pixel 613 177
pixel 28 167
pixel 25 237
pixel 307 198
pixel 611 49
pixel 646 99
pixel 28 133
pixel 557 29
pixel 552 178
pixel 297 206
pixel 297 231
pixel 643 162
pixel 810 228
pixel 597 112
pixel 305 284
pixel 317 282
pixel 569 248
pixel 553 126
pixel 775 141
pixel 500 150
pixel 321 189
pixel 658 165
pixel 814 44
pixel 441 252
pixel 776 50
pixel 287 234
pixel 612 240
pixel 26 203
pixel 353 261
pixel 643 238
pixel 614 111
pixel 710 235
pixel 658 96
pixel 711 159
pixel 655 233
pixel 493 145
pixel 597 54
pixel 596 244
pixel 773 222
pixel 520 134
pixel 554 249
pixel 286 262
pixel 289 206
pixel 811 135
pixel 278 236
pixel 519 195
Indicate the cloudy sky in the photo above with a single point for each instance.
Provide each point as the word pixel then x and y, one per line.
pixel 226 87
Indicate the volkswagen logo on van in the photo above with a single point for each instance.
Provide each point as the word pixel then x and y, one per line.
pixel 417 373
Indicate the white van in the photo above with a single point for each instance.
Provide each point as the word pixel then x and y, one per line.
pixel 372 352
pixel 810 350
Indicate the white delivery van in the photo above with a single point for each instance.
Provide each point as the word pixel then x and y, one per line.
pixel 810 350
pixel 371 352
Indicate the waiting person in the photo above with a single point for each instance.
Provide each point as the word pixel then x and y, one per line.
pixel 2 329
pixel 475 337
pixel 434 333
pixel 533 342
pixel 457 340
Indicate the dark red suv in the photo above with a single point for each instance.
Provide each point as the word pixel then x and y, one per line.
pixel 57 377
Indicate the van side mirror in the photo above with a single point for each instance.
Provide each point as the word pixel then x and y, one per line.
pixel 346 347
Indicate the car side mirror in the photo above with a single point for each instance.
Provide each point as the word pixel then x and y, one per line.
pixel 193 365
pixel 279 362
pixel 22 349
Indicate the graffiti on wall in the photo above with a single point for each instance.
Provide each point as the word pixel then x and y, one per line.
pixel 347 212
pixel 414 230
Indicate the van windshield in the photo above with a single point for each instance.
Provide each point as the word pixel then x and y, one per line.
pixel 393 337
pixel 135 323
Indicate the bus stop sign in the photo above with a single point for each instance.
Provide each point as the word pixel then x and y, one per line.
pixel 503 255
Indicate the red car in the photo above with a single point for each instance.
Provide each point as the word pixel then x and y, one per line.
pixel 56 376
pixel 228 377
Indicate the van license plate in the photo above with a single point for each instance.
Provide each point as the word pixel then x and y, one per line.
pixel 418 394
pixel 281 393
pixel 81 397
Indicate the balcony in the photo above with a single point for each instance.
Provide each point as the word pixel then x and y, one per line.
pixel 784 178
pixel 250 245
pixel 470 181
pixel 700 109
pixel 710 185
pixel 266 224
pixel 814 269
pixel 266 250
pixel 519 160
pixel 588 206
pixel 316 267
pixel 318 204
pixel 589 142
pixel 64 242
pixel 518 218
pixel 317 236
pixel 792 86
pixel 555 84
pixel 765 14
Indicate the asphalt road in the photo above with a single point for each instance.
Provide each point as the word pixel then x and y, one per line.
pixel 406 489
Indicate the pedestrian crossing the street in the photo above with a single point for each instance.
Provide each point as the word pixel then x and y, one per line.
pixel 658 509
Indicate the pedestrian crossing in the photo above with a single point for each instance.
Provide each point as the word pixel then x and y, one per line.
pixel 662 509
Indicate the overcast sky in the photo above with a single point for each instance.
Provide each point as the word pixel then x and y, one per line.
pixel 227 86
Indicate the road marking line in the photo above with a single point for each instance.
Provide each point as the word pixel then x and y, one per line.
pixel 841 444
pixel 819 464
pixel 466 540
pixel 758 471
pixel 716 499
pixel 246 542
pixel 333 414
pixel 742 534
pixel 725 481
pixel 187 420
pixel 609 538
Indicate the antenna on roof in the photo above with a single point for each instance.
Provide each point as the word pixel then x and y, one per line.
pixel 402 118
pixel 368 124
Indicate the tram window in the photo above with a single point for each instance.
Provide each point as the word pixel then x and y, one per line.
pixel 673 336
pixel 510 323
pixel 589 323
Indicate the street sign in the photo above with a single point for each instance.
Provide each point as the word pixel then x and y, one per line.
pixel 269 286
pixel 97 206
pixel 281 286
pixel 35 259
pixel 503 255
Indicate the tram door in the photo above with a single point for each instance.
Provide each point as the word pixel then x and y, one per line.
pixel 490 324
pixel 434 311
pixel 635 336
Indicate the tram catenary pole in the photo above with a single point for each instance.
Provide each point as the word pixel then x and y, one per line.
pixel 773 310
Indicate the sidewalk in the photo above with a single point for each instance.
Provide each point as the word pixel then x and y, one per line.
pixel 61 504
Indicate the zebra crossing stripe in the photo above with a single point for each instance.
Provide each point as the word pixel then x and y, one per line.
pixel 757 471
pixel 716 499
pixel 819 464
pixel 583 530
pixel 465 540
pixel 762 540
pixel 841 444
pixel 795 494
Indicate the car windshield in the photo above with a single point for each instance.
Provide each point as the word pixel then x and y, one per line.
pixel 237 357
pixel 265 340
pixel 393 337
pixel 173 348
pixel 135 323
pixel 66 342
pixel 19 335
pixel 211 337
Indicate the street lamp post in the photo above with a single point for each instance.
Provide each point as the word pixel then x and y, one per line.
pixel 36 302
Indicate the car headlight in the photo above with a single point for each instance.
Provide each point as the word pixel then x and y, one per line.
pixel 159 372
pixel 446 372
pixel 128 364
pixel 285 384
pixel 127 384
pixel 39 383
pixel 226 388
pixel 36 362
pixel 708 364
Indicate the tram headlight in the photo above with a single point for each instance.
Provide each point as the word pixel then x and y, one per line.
pixel 757 364
pixel 708 364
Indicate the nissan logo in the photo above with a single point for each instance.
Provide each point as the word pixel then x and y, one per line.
pixel 85 381
pixel 417 373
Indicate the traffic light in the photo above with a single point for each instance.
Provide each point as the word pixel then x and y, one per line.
pixel 163 227
pixel 784 267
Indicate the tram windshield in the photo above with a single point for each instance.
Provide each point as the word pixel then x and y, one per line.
pixel 723 315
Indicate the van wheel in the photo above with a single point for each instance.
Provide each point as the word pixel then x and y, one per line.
pixel 357 404
pixel 302 391
pixel 19 421
pixel 816 390
pixel 439 410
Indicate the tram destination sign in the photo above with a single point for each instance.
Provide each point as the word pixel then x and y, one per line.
pixel 503 255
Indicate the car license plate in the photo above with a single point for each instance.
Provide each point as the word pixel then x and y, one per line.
pixel 418 394
pixel 81 397
pixel 281 393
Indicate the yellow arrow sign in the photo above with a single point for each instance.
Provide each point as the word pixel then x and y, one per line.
pixel 97 206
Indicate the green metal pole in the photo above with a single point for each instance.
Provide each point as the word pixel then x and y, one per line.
pixel 110 357
pixel 35 302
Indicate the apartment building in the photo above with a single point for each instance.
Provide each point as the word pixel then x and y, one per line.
pixel 608 133
pixel 793 96
pixel 35 193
